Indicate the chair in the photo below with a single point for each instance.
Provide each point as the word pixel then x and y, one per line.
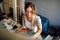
pixel 45 24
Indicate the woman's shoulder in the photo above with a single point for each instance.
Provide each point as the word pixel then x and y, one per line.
pixel 38 17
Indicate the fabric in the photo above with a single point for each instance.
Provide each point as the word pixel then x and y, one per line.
pixel 31 24
pixel 9 27
pixel 45 23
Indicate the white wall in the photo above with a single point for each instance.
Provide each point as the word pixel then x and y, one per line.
pixel 49 9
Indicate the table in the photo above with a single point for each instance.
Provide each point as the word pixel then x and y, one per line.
pixel 11 35
pixel 6 34
pixel 9 23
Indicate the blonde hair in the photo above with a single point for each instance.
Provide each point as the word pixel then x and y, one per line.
pixel 30 4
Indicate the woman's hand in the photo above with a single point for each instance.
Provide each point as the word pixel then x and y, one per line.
pixel 36 34
pixel 20 29
pixel 23 29
pixel 33 37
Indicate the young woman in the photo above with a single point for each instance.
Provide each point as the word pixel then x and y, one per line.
pixel 31 21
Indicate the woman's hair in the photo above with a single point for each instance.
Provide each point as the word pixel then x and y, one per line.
pixel 30 4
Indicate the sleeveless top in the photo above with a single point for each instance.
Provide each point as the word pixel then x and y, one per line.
pixel 36 22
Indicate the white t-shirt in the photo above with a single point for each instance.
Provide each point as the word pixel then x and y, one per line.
pixel 29 24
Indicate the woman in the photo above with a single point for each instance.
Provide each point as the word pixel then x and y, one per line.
pixel 31 21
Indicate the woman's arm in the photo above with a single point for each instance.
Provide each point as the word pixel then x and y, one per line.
pixel 39 28
pixel 37 33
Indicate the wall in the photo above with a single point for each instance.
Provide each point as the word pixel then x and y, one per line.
pixel 49 9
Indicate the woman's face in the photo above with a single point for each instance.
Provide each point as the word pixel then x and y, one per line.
pixel 29 12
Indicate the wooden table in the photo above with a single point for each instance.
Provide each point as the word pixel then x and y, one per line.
pixel 11 35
